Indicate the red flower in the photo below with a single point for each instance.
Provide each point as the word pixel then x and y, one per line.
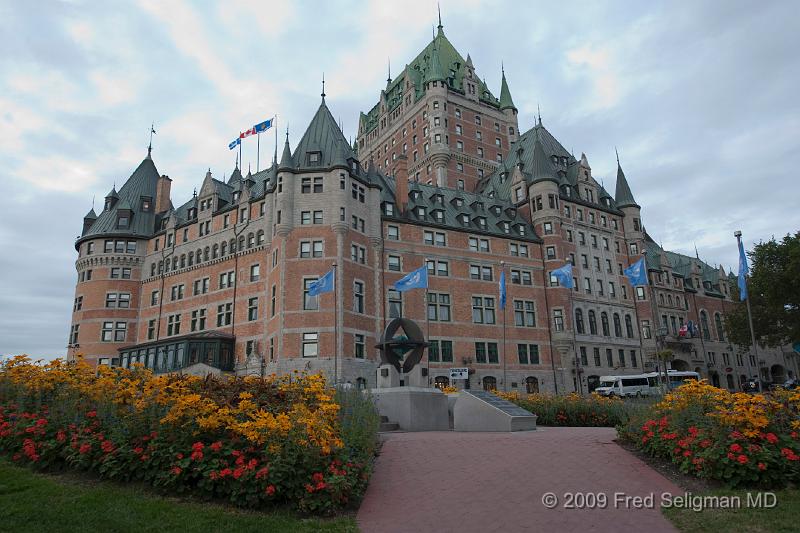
pixel 771 438
pixel 309 488
pixel 762 466
pixel 41 422
pixel 262 472
pixel 735 448
pixel 144 458
pixel 754 448
pixel 176 470
pixel 196 455
pixel 252 463
pixel 213 474
pixel 317 477
pixel 687 453
pixel 217 446
pixel 321 485
pixel 793 434
pixel 693 431
pixel 91 414
pixel 225 472
pixel 789 454
pixel 240 460
pixel 179 455
pixel 138 450
pixel 270 490
pixel 238 473
pixel 197 446
pixel 705 443
pixel 107 446
pixel 731 456
pixel 742 459
pixel 61 436
pixel 85 447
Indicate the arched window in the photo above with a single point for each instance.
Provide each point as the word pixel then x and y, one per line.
pixel 206 253
pixel 441 382
pixel 489 383
pixel 183 260
pixel 232 246
pixel 661 299
pixel 731 387
pixel 628 326
pixel 704 325
pixel 604 323
pixel 718 326
pixel 260 237
pixel 198 255
pixel 592 323
pixel 224 249
pixel 617 326
pixel 175 263
pixel 531 385
pixel 251 240
pixel 215 251
pixel 191 258
pixel 669 299
pixel 361 383
pixel 240 246
pixel 579 321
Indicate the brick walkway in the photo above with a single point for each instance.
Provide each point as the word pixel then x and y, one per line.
pixel 482 482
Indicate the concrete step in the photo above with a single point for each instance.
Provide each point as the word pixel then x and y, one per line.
pixel 388 426
pixel 384 418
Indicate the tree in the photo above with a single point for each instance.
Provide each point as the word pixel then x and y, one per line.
pixel 774 292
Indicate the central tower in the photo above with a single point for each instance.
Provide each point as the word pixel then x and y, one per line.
pixel 442 116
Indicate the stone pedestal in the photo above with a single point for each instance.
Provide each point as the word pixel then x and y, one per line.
pixel 483 411
pixel 388 377
pixel 418 377
pixel 413 408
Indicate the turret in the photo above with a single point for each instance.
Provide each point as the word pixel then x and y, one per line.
pixel 88 220
pixel 111 199
pixel 623 197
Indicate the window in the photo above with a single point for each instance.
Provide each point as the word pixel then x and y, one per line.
pixel 587 285
pixel 524 314
pixel 528 354
pixel 604 324
pixel 174 324
pixel 311 249
pixel 310 303
pixel 579 327
pixel 116 273
pixel 227 279
pixel 113 331
pixel 395 302
pixel 177 292
pixel 359 345
pixel 639 293
pixel 393 263
pixel 198 322
pixel 551 252
pixel 480 272
pixel 305 217
pixel 478 245
pixel 633 359
pixel 483 310
pixel 592 323
pixel 439 307
pixel 621 358
pixel 358 296
pixel 310 347
pixel 558 320
pixel 704 326
pixel 272 302
pixel 224 314
pixel 518 250
pixel 151 329
pixel 434 238
pixel 617 326
pixel 393 233
pixel 486 352
pixel 718 326
pixel 255 272
pixel 438 268
pixel 358 254
pixel 584 360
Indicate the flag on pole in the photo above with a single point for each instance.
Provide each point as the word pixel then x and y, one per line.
pixel 743 271
pixel 503 289
pixel 322 285
pixel 248 133
pixel 563 275
pixel 683 331
pixel 264 126
pixel 637 273
pixel 418 279
pixel 235 143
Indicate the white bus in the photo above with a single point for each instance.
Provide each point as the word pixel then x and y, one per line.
pixel 640 384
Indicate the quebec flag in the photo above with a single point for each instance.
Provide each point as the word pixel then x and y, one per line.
pixel 322 285
pixel 418 279
pixel 563 275
pixel 743 271
pixel 234 144
pixel 637 273
pixel 264 126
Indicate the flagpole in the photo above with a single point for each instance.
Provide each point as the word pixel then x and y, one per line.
pixel 335 328
pixel 258 150
pixel 575 344
pixel 546 275
pixel 654 307
pixel 505 303
pixel 738 235
pixel 240 149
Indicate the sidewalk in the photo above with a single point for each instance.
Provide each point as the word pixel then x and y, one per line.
pixel 480 482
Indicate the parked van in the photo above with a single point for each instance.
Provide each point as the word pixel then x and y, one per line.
pixel 622 386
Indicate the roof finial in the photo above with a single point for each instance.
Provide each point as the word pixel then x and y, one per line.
pixel 323 94
pixel 616 152
pixel 502 68
pixel 287 133
pixel 93 202
pixel 696 253
pixel 539 113
pixel 439 9
pixel 389 79
pixel 150 146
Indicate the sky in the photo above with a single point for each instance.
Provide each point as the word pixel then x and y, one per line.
pixel 699 98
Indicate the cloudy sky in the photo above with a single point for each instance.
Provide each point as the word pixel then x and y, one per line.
pixel 696 95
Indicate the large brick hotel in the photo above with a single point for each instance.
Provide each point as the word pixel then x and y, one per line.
pixel 439 175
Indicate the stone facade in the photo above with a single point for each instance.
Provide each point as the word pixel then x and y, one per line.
pixel 220 280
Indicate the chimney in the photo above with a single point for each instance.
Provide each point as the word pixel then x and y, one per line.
pixel 162 193
pixel 401 183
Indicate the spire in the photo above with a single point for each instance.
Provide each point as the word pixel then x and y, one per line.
pixel 539 113
pixel 439 9
pixel 323 100
pixel 389 71
pixel 623 195
pixel 150 146
pixel 505 95
pixel 286 157
pixel 434 70
pixel 542 168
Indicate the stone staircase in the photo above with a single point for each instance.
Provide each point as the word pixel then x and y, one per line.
pixel 387 426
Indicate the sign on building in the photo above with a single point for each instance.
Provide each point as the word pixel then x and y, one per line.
pixel 459 373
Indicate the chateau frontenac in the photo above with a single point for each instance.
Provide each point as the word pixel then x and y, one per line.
pixel 439 175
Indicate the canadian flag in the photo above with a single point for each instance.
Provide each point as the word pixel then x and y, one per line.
pixel 248 133
pixel 683 331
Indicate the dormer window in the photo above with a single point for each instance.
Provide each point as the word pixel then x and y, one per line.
pixel 506 227
pixel 236 196
pixel 438 215
pixel 521 229
pixel 314 158
pixel 123 220
pixel 496 210
pixel 464 219
pixel 192 213
pixel 388 209
pixel 481 221
pixel 108 204
pixel 421 212
pixel 147 204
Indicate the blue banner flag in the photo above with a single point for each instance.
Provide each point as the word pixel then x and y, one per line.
pixel 503 289
pixel 264 126
pixel 637 273
pixel 418 279
pixel 322 285
pixel 235 143
pixel 563 275
pixel 743 271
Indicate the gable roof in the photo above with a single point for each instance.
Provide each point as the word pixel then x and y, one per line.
pixel 324 136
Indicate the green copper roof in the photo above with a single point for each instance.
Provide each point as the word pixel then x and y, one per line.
pixel 505 94
pixel 623 194
pixel 286 157
pixel 322 137
pixel 542 167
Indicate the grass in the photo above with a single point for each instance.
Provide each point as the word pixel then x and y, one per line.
pixel 36 502
pixel 784 517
